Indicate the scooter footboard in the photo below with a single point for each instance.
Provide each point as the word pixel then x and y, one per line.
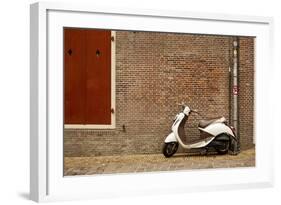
pixel 171 138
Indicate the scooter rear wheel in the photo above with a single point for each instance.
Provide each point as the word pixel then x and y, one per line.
pixel 169 149
pixel 224 148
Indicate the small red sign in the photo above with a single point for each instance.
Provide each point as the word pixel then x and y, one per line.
pixel 235 90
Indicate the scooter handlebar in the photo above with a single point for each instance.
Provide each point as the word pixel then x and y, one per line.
pixel 191 110
pixel 181 104
pixel 195 111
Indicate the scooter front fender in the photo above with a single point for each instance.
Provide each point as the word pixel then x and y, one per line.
pixel 171 138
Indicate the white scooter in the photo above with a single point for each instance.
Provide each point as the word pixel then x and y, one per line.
pixel 214 133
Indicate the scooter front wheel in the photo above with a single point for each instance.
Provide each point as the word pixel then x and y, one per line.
pixel 170 148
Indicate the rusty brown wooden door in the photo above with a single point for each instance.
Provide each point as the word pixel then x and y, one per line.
pixel 87 76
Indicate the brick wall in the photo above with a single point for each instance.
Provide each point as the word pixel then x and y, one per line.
pixel 154 71
pixel 246 93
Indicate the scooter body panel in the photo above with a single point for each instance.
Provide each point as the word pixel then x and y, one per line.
pixel 216 129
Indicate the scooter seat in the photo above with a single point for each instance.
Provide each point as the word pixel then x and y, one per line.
pixel 205 123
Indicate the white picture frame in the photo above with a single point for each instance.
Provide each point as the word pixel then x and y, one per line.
pixel 46 156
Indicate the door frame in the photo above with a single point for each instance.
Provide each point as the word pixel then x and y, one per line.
pixel 112 125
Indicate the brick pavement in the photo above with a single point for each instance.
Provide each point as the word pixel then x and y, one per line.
pixel 154 162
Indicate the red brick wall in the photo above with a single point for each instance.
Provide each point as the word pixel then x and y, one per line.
pixel 154 72
pixel 246 91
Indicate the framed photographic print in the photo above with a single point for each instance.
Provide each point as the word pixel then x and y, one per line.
pixel 123 98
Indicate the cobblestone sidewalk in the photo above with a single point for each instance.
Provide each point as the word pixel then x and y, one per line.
pixel 154 162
